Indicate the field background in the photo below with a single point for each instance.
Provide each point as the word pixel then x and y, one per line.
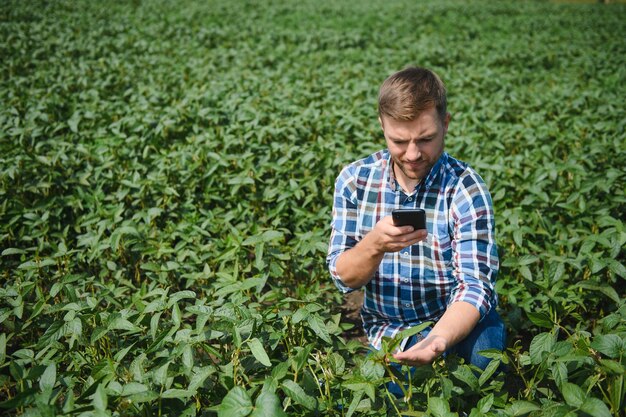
pixel 166 176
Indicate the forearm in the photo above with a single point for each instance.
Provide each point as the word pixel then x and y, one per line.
pixel 357 265
pixel 456 323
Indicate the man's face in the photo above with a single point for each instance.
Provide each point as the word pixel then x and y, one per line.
pixel 415 145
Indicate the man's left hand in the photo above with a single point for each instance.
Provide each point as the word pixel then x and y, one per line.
pixel 423 352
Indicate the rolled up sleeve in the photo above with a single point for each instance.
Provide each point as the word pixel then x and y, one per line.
pixel 343 225
pixel 475 255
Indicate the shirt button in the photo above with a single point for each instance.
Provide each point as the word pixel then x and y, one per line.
pixel 407 305
pixel 405 254
pixel 405 280
pixel 409 199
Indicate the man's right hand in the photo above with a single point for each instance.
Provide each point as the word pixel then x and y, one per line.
pixel 356 266
pixel 387 237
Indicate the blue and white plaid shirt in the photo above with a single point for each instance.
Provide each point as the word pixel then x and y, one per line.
pixel 457 262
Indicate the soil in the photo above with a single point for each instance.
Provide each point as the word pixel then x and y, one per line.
pixel 350 313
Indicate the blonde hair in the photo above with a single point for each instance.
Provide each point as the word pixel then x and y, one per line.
pixel 407 93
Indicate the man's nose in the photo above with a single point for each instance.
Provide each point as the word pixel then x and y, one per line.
pixel 412 152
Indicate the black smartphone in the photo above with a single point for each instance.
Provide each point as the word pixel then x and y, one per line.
pixel 412 217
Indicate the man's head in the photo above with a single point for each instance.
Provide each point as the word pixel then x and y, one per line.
pixel 407 93
pixel 414 119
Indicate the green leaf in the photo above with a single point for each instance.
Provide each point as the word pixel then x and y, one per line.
pixel 613 367
pixel 595 407
pixel 573 394
pixel 465 374
pixel 133 388
pixel 74 121
pixel 187 358
pixel 198 378
pixel 541 345
pixel 368 388
pixel 404 334
pixel 485 404
pixel 268 404
pixel 337 363
pixel 525 272
pixel 177 296
pixel 98 333
pixel 610 345
pixel 617 268
pixel 318 326
pixel 144 397
pixel 3 348
pixel 176 393
pixel 372 371
pixel 297 394
pixel 176 315
pixel 259 352
pixel 13 251
pixel 438 407
pixel 99 398
pixel 520 408
pixel 488 372
pixel 527 260
pixel 160 374
pixel 267 236
pixel 559 372
pixel 413 330
pixel 120 323
pixel 607 290
pixel 118 233
pixel 48 378
pixel 540 319
pixel 355 403
pixel 300 314
pixel 237 403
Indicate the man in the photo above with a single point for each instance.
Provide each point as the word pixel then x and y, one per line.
pixel 444 274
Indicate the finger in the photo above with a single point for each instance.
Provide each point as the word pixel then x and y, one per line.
pixel 400 230
pixel 411 361
pixel 401 356
pixel 420 234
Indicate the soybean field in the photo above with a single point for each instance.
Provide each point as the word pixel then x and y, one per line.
pixel 166 180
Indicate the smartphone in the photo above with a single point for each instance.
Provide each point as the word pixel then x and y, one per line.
pixel 412 217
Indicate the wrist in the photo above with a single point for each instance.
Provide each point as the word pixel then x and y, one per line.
pixel 371 246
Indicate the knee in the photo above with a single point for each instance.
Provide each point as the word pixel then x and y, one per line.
pixel 488 334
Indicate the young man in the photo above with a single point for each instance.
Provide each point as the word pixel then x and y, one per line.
pixel 444 274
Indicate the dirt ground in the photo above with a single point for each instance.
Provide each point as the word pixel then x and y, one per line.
pixel 350 312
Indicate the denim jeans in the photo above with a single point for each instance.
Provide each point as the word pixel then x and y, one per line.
pixel 489 333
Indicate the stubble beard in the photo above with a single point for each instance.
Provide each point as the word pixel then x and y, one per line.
pixel 408 173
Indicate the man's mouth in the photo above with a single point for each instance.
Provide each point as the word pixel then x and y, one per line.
pixel 413 165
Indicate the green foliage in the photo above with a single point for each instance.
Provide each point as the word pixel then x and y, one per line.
pixel 166 176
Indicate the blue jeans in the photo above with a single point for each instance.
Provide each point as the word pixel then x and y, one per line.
pixel 489 333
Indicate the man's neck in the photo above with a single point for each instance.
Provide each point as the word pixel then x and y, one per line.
pixel 407 184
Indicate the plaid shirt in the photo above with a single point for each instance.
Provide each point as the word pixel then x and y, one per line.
pixel 457 262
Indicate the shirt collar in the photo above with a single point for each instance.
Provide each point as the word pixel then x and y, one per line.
pixel 428 182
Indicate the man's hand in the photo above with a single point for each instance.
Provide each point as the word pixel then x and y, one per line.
pixel 423 352
pixel 356 266
pixel 386 237
pixel 455 324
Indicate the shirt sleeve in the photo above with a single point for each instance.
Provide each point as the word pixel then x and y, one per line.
pixel 343 225
pixel 475 255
